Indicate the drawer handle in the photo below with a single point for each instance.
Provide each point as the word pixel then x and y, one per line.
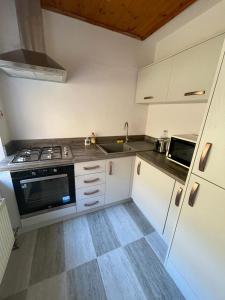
pixel 204 157
pixel 139 168
pixel 110 168
pixel 91 204
pixel 92 168
pixel 92 180
pixel 148 97
pixel 195 93
pixel 91 193
pixel 193 194
pixel 178 196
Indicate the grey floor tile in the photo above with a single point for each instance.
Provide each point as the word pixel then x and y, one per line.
pixel 17 275
pixel 79 246
pixel 158 245
pixel 124 226
pixel 140 220
pixel 49 254
pixel 118 277
pixel 151 274
pixel 20 296
pixel 53 288
pixel 102 232
pixel 85 283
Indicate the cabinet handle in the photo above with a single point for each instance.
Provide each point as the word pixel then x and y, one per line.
pixel 204 157
pixel 139 168
pixel 148 97
pixel 195 93
pixel 91 193
pixel 91 204
pixel 110 168
pixel 193 194
pixel 90 181
pixel 91 168
pixel 178 196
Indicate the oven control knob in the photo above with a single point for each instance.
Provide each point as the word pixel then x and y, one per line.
pixel 33 173
pixel 55 170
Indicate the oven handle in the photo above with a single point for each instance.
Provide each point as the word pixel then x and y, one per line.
pixel 43 178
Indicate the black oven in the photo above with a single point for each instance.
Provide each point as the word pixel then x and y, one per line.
pixel 40 189
pixel 181 149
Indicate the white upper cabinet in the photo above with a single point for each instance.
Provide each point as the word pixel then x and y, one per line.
pixel 198 249
pixel 193 72
pixel 152 192
pixel 210 159
pixel 118 178
pixel 153 81
pixel 185 77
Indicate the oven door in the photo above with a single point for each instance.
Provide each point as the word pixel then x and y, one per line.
pixel 44 192
pixel 181 151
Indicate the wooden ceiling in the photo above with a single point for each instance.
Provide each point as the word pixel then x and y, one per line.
pixel 136 18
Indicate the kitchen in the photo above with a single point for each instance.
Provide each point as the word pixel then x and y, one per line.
pixel 115 214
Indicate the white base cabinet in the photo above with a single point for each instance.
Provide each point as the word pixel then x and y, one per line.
pixel 118 178
pixel 152 192
pixel 198 249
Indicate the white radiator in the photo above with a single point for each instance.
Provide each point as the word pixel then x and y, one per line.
pixel 6 238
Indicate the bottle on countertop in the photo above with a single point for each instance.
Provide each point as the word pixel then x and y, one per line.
pixel 93 139
pixel 87 141
pixel 165 134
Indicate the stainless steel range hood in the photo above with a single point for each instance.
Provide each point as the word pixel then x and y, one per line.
pixel 31 61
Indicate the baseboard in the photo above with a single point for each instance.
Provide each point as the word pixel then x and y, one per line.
pixel 180 282
pixel 59 215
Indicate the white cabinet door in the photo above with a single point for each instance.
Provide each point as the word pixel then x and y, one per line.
pixel 153 81
pixel 193 71
pixel 212 167
pixel 174 209
pixel 118 178
pixel 198 249
pixel 152 192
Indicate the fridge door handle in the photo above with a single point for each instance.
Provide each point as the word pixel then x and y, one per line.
pixel 178 196
pixel 193 194
pixel 204 157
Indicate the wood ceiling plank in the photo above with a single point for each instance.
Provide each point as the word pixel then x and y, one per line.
pixel 138 19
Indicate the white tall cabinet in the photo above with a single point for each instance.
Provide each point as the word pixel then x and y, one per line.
pixel 196 259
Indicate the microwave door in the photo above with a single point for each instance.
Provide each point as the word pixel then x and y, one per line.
pixel 181 152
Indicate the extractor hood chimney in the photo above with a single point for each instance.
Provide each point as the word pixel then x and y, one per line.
pixel 31 61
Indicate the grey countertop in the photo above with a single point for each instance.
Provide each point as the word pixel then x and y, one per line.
pixel 80 153
pixel 160 161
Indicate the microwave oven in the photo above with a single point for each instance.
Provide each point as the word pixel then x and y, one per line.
pixel 181 149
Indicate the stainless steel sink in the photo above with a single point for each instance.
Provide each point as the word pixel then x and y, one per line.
pixel 115 148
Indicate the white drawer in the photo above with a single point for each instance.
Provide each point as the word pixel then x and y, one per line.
pixel 90 203
pixel 89 180
pixel 90 192
pixel 89 167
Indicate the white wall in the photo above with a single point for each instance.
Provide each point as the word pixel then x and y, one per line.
pixel 4 132
pixel 99 94
pixel 183 118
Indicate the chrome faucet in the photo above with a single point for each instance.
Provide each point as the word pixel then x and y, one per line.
pixel 126 128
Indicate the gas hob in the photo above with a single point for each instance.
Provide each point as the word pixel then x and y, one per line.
pixel 42 154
